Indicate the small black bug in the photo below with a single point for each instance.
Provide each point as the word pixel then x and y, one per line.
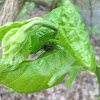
pixel 47 47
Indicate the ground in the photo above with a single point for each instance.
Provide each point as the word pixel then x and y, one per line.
pixel 85 86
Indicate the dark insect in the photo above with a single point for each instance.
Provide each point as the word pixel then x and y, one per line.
pixel 47 47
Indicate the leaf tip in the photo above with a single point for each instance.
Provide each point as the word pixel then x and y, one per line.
pixel 90 72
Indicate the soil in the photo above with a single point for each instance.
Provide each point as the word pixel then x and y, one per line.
pixel 84 87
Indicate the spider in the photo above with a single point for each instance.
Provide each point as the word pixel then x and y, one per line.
pixel 47 47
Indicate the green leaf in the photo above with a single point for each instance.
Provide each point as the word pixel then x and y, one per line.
pixel 10 25
pixel 33 76
pixel 52 66
pixel 42 35
pixel 66 67
pixel 19 45
pixel 71 78
pixel 16 43
pixel 54 15
pixel 73 35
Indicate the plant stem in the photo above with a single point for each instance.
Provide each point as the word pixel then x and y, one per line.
pixel 45 24
pixel 98 77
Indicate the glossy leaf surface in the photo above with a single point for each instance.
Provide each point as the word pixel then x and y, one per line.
pixel 32 76
pixel 74 36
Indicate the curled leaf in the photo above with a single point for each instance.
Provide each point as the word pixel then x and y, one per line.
pixel 10 25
